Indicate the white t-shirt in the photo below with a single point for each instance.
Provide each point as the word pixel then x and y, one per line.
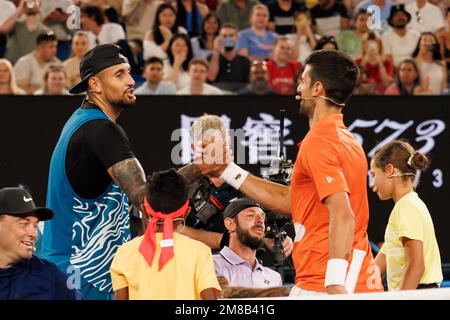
pixel 400 48
pixel 151 49
pixel 183 79
pixel 110 33
pixel 434 72
pixel 208 90
pixel 28 68
pixel 427 19
pixel 7 8
pixel 304 49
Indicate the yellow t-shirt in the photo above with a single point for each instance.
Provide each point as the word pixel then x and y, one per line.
pixel 410 218
pixel 188 273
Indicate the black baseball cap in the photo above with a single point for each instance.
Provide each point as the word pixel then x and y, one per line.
pixel 237 205
pixel 398 8
pixel 96 60
pixel 18 202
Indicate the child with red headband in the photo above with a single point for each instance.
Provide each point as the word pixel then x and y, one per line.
pixel 163 264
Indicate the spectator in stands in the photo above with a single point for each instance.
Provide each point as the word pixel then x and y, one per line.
pixel 157 40
pixel 179 54
pixel 379 69
pixel 399 42
pixel 198 73
pixel 385 10
pixel 55 16
pixel 326 43
pixel 137 51
pixel 99 31
pixel 408 81
pixel 282 13
pixel 30 68
pixel 364 85
pixel 236 12
pixel 330 17
pixel 429 61
pixel 283 70
pixel 23 276
pixel 303 40
pixel 228 69
pixel 111 14
pixel 55 81
pixel 256 43
pixel 350 41
pixel 259 80
pixel 165 263
pixel 80 45
pixel 7 9
pixel 154 84
pixel 426 17
pixel 202 45
pixel 245 222
pixel 139 16
pixel 22 34
pixel 7 79
pixel 444 38
pixel 190 15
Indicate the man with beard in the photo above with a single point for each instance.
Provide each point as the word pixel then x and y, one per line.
pixel 238 271
pixel 327 198
pixel 399 42
pixel 259 81
pixel 93 174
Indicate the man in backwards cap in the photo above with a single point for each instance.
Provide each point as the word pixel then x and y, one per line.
pixel 93 174
pixel 23 275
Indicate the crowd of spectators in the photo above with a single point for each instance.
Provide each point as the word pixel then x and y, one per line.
pixel 213 47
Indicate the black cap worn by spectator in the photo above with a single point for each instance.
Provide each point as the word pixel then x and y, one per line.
pixel 237 205
pixel 18 202
pixel 96 60
pixel 398 8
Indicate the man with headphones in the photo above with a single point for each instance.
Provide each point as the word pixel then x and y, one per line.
pixel 327 198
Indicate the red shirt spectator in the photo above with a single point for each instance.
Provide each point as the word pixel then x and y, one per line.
pixel 282 69
pixel 282 78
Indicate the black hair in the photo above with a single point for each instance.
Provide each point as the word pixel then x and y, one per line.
pixel 416 81
pixel 231 26
pixel 45 37
pixel 360 12
pixel 95 13
pixel 166 191
pixel 436 47
pixel 153 60
pixel 181 17
pixel 157 36
pixel 202 37
pixel 170 56
pixel 336 71
pixel 324 40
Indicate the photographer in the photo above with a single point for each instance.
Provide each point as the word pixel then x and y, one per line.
pixel 236 265
pixel 210 196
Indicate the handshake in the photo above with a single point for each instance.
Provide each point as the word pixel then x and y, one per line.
pixel 213 157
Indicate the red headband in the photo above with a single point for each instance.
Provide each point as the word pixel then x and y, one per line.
pixel 148 244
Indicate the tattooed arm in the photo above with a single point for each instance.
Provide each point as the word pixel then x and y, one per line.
pixel 242 292
pixel 130 177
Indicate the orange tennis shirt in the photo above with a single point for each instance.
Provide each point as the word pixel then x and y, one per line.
pixel 330 160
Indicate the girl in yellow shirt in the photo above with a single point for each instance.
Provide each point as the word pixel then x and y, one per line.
pixel 410 254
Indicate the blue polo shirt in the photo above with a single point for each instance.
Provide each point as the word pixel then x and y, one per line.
pixel 35 279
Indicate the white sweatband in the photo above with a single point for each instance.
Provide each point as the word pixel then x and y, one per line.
pixel 336 272
pixel 234 175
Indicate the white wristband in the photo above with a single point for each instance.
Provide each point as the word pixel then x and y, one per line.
pixel 336 272
pixel 234 175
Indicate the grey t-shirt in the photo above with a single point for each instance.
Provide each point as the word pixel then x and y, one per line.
pixel 21 41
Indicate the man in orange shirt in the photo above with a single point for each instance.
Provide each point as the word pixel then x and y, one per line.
pixel 328 195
